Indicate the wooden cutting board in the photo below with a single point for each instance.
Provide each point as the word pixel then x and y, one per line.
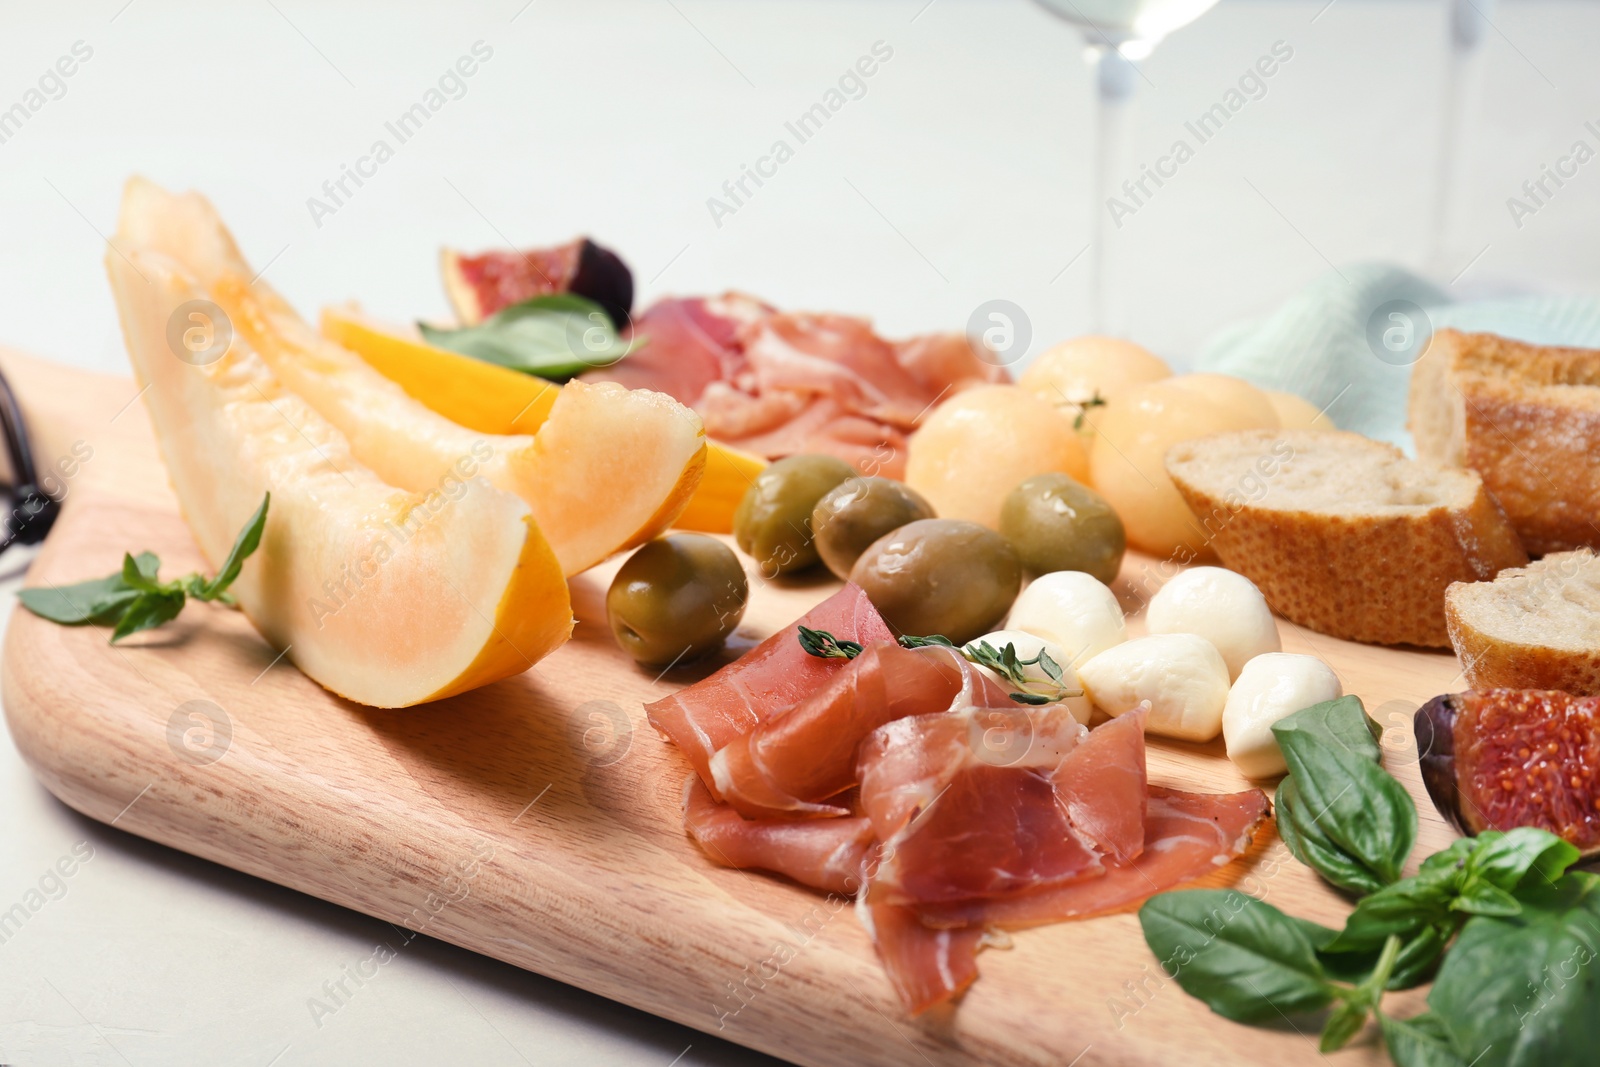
pixel 537 820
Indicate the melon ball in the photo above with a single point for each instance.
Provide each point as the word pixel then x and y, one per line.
pixel 984 442
pixel 1296 412
pixel 1129 453
pixel 1074 371
pixel 1235 394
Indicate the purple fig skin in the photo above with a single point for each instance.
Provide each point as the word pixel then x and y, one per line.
pixel 601 276
pixel 1434 727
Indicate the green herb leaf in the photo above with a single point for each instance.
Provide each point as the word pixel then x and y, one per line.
pixel 822 644
pixel 1421 1041
pixel 1521 990
pixel 1249 961
pixel 134 598
pixel 248 541
pixel 147 612
pixel 99 600
pixel 1361 809
pixel 1311 845
pixel 908 641
pixel 556 336
pixel 1523 856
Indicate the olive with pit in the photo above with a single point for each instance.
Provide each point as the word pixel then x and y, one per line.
pixel 1058 524
pixel 857 512
pixel 940 576
pixel 677 599
pixel 773 522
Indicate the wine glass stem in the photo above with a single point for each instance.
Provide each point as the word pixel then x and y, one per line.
pixel 1114 82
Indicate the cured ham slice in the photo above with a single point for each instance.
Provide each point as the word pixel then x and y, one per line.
pixel 966 804
pixel 778 383
pixel 802 756
pixel 826 854
pixel 1187 836
pixel 925 966
pixel 687 345
pixel 773 676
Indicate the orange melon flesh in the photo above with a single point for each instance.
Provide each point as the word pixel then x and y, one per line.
pixel 498 400
pixel 386 597
pixel 608 469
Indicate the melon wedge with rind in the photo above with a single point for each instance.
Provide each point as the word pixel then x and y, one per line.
pixel 609 468
pixel 493 399
pixel 386 597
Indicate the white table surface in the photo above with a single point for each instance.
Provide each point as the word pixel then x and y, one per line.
pixel 958 177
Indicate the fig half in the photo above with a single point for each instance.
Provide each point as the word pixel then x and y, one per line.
pixel 1496 759
pixel 480 285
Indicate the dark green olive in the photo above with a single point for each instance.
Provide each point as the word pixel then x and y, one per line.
pixel 1057 524
pixel 940 576
pixel 857 512
pixel 773 523
pixel 677 599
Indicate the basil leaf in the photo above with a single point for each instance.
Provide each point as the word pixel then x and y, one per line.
pixel 99 600
pixel 1521 991
pixel 148 611
pixel 1359 806
pixel 1404 908
pixel 248 541
pixel 1311 845
pixel 556 336
pixel 1247 960
pixel 1421 1041
pixel 135 574
pixel 1523 856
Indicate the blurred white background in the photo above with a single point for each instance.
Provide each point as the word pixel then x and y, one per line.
pixel 958 177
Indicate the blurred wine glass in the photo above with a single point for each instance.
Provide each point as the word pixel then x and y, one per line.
pixel 1116 34
pixel 1468 24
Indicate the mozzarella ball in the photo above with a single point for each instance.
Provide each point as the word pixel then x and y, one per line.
pixel 1028 646
pixel 1074 611
pixel 1181 675
pixel 1297 413
pixel 984 442
pixel 1128 460
pixel 1220 605
pixel 1270 687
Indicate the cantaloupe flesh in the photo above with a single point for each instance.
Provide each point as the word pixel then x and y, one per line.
pixel 493 399
pixel 609 469
pixel 386 597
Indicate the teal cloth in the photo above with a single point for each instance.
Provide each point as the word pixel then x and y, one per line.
pixel 1316 344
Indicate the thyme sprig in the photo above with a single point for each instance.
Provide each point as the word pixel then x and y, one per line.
pixel 1095 401
pixel 1003 661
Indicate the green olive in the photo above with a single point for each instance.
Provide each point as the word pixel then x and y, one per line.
pixel 940 576
pixel 1057 524
pixel 857 512
pixel 677 599
pixel 773 523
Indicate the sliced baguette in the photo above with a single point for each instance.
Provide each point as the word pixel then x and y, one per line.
pixel 1525 417
pixel 1533 627
pixel 1341 533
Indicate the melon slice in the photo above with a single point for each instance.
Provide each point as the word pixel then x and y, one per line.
pixel 492 399
pixel 609 468
pixel 386 597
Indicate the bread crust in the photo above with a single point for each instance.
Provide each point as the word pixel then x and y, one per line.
pixel 1491 662
pixel 1526 418
pixel 1379 579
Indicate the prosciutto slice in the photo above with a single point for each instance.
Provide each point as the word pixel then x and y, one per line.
pixel 826 854
pixel 1187 836
pixel 968 807
pixel 779 383
pixel 773 676
pixel 926 966
pixel 802 756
